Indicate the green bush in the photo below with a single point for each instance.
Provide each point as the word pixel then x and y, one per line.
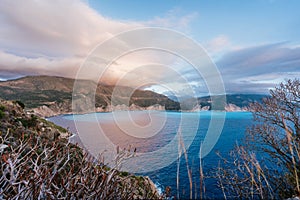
pixel 123 174
pixel 20 104
pixel 2 108
pixel 2 114
pixel 31 122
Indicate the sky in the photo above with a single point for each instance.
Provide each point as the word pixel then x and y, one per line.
pixel 254 44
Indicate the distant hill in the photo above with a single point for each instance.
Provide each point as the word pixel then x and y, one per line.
pixel 55 93
pixel 48 96
pixel 233 102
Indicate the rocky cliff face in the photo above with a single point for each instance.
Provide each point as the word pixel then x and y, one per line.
pixel 233 103
pixel 54 110
pixel 234 108
pixel 198 108
pixel 49 96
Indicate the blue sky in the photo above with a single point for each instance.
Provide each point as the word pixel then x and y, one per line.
pixel 244 22
pixel 255 44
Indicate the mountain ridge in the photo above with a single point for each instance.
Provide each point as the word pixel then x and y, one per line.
pixel 53 95
pixel 234 102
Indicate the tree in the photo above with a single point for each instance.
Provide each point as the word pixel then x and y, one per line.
pixel 277 134
pixel 268 164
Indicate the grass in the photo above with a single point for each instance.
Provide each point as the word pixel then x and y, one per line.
pixel 51 124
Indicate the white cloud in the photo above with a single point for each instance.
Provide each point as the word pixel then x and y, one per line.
pixel 54 37
pixel 12 64
pixel 51 37
pixel 174 19
pixel 54 28
pixel 218 44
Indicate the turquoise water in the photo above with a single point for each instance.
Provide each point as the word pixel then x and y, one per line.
pixel 137 129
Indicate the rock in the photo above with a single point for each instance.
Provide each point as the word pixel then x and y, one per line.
pixel 100 109
pixel 152 185
pixel 294 198
pixel 198 108
pixel 156 107
pixel 56 109
pixel 234 108
pixel 122 107
pixel 205 108
pixel 135 107
pixel 44 111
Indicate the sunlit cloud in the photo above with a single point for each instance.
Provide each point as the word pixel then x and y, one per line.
pixel 50 37
pixel 54 38
pixel 54 28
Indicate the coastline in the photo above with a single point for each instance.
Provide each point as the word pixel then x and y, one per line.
pixel 46 112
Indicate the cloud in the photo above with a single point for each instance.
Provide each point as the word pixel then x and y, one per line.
pixel 51 37
pixel 54 28
pixel 259 68
pixel 175 19
pixel 218 44
pixel 54 38
pixel 12 66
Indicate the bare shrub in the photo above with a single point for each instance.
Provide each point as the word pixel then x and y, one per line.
pixel 35 165
pixel 40 169
pixel 275 136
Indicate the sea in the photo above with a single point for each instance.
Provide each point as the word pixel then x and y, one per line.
pixel 163 145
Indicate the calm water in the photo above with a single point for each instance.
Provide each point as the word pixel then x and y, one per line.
pixel 137 130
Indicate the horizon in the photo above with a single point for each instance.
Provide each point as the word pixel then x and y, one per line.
pixel 254 45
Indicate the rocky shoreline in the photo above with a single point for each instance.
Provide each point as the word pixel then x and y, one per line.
pixel 50 111
pixel 56 109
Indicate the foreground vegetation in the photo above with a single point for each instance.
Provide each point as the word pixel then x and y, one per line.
pixel 37 162
pixel 266 165
pixel 275 136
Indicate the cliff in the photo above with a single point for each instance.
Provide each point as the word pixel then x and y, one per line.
pixel 48 96
pixel 233 103
pixel 234 108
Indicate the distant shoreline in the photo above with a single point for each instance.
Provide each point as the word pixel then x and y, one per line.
pixel 170 111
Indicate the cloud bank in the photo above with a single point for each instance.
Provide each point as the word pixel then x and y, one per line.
pixel 257 69
pixel 51 37
pixel 54 38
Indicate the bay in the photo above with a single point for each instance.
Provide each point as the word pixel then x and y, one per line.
pixel 149 132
